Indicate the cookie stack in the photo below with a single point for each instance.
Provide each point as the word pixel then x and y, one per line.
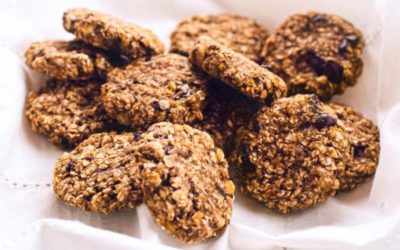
pixel 144 125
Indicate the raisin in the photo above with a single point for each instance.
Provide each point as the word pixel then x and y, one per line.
pixel 113 197
pixel 358 151
pixel 319 19
pixel 315 62
pixel 343 47
pixel 353 40
pixel 325 121
pixel 155 106
pixel 70 166
pixel 334 72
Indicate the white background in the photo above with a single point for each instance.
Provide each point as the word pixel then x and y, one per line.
pixel 30 213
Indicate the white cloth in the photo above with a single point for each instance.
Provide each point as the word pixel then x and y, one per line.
pixel 33 218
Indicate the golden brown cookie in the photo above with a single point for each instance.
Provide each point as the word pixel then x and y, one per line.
pixel 241 34
pixel 290 153
pixel 100 174
pixel 315 53
pixel 160 88
pixel 364 140
pixel 186 182
pixel 111 33
pixel 237 71
pixel 67 60
pixel 67 112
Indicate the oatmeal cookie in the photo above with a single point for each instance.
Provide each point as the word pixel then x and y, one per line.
pixel 100 174
pixel 315 53
pixel 111 33
pixel 67 112
pixel 290 153
pixel 237 71
pixel 186 182
pixel 364 140
pixel 67 60
pixel 226 110
pixel 160 88
pixel 241 34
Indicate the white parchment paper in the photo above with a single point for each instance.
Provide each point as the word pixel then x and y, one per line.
pixel 33 218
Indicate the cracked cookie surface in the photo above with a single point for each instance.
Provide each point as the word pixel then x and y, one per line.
pixel 315 53
pixel 100 174
pixel 237 71
pixel 111 33
pixel 290 153
pixel 67 60
pixel 67 112
pixel 364 140
pixel 241 34
pixel 160 88
pixel 186 182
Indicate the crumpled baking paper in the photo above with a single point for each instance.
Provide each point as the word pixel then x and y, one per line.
pixel 33 218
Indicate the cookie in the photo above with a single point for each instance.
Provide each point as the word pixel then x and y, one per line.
pixel 111 33
pixel 316 53
pixel 186 184
pixel 364 140
pixel 100 174
pixel 237 71
pixel 160 88
pixel 67 112
pixel 290 153
pixel 67 60
pixel 241 34
pixel 226 110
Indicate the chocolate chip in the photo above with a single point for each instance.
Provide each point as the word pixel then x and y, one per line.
pixel 70 166
pixel 87 197
pixel 334 71
pixel 353 40
pixel 358 151
pixel 343 47
pixel 325 121
pixel 314 61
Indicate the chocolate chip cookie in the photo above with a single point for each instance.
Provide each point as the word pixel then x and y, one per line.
pixel 316 53
pixel 67 112
pixel 111 33
pixel 364 140
pixel 186 182
pixel 100 174
pixel 241 34
pixel 67 60
pixel 237 71
pixel 290 153
pixel 160 88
